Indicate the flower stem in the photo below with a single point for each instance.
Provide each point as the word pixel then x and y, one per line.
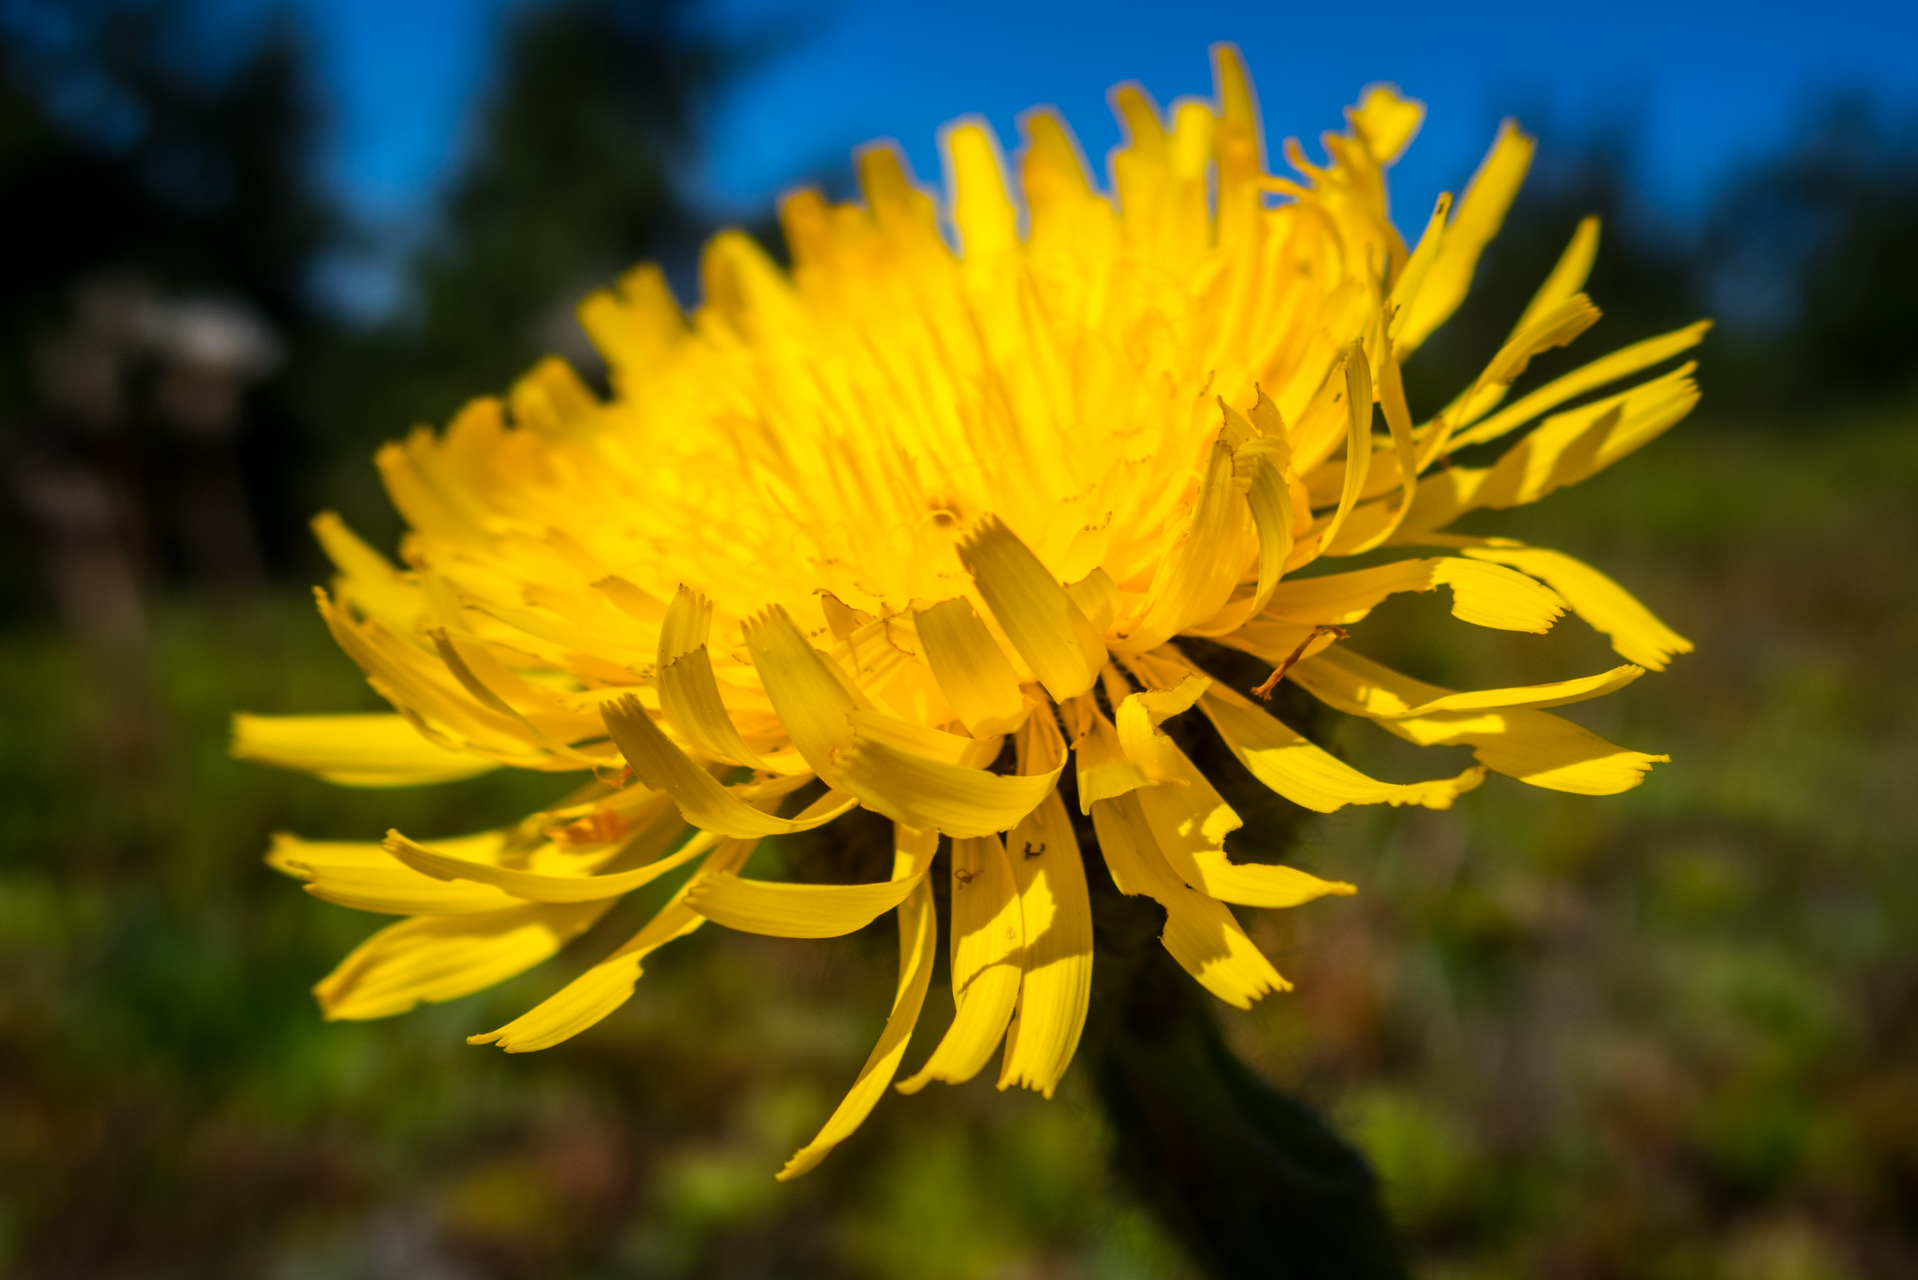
pixel 1251 1181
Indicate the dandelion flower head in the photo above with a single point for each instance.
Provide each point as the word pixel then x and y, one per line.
pixel 921 523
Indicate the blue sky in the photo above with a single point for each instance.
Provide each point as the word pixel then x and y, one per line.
pixel 1701 87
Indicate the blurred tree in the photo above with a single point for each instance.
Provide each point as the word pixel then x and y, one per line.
pixel 1814 255
pixel 138 166
pixel 576 176
pixel 123 149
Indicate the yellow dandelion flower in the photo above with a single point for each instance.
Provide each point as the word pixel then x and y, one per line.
pixel 919 523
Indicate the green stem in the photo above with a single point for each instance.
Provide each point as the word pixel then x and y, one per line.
pixel 1251 1181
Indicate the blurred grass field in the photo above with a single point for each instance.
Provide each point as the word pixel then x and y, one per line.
pixel 1667 1034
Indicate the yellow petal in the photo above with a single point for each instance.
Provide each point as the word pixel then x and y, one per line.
pixel 1238 150
pixel 1557 327
pixel 398 890
pixel 1104 769
pixel 702 801
pixel 1567 277
pixel 609 984
pixel 1405 289
pixel 744 288
pixel 1480 214
pixel 1269 498
pixel 1635 631
pixel 981 210
pixel 423 499
pixel 928 794
pixel 353 750
pixel 1307 775
pixel 1509 601
pixel 467 659
pixel 1189 821
pixel 988 959
pixel 1052 172
pixel 1533 746
pixel 1619 364
pixel 688 691
pixel 1258 884
pixel 972 670
pixel 1097 596
pixel 1056 990
pixel 782 909
pixel 546 399
pixel 421 696
pixel 630 600
pixel 364 876
pixel 1194 581
pixel 547 886
pixel 1385 701
pixel 635 325
pixel 896 203
pixel 367 578
pixel 987 928
pixel 1049 631
pixel 430 959
pixel 1358 441
pixel 1566 448
pixel 912 851
pixel 1387 121
pixel 934 744
pixel 1200 932
pixel 689 698
pixel 1363 535
pixel 293 856
pixel 917 948
pixel 1139 718
pixel 810 698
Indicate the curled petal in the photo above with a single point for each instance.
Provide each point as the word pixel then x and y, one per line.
pixel 660 764
pixel 1308 775
pixel 1050 632
pixel 988 961
pixel 918 932
pixel 785 910
pixel 609 984
pixel 1515 738
pixel 1200 932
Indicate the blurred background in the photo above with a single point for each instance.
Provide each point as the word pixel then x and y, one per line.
pixel 1668 1034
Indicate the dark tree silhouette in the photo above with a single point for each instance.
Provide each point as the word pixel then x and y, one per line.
pixel 149 168
pixel 577 176
pixel 1817 252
